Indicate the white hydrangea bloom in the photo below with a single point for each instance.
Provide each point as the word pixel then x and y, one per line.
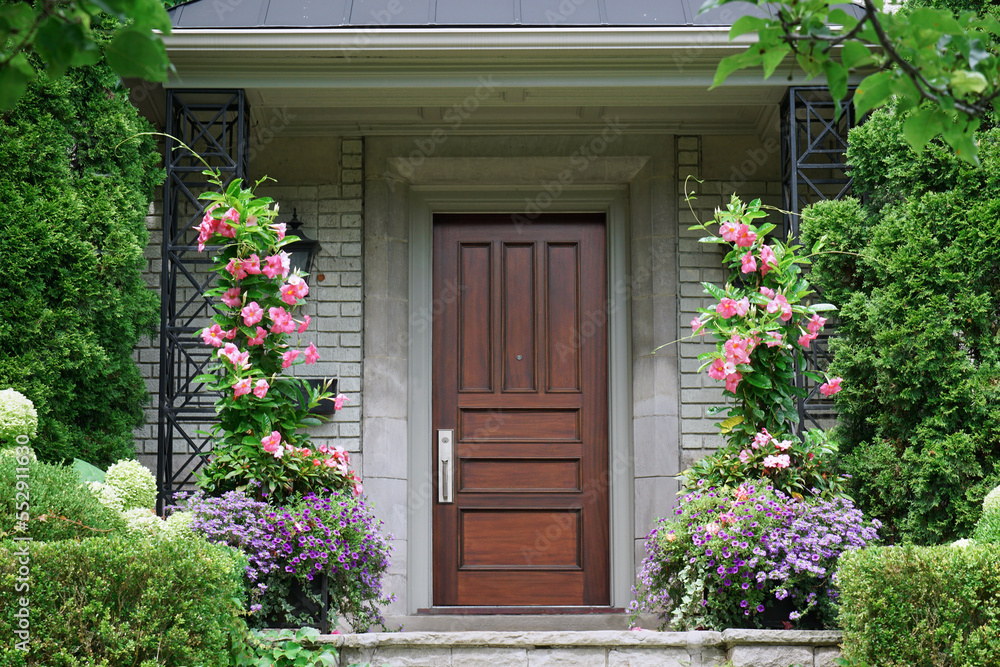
pixel 141 521
pixel 134 484
pixel 17 416
pixel 178 525
pixel 107 496
pixel 991 503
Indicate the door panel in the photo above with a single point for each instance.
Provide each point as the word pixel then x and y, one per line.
pixel 520 376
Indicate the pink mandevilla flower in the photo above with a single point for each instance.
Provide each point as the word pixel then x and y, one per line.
pixel 769 293
pixel 729 229
pixel 259 338
pixel 231 297
pixel 305 324
pixel 206 229
pixel 281 321
pixel 252 313
pixel 312 354
pixel 280 228
pixel 807 338
pixel 289 357
pixel 815 324
pixel 776 338
pixel 338 402
pixel 726 308
pixel 748 262
pixel 738 349
pixel 237 358
pixel 272 444
pixel 230 351
pixel 227 230
pixel 301 287
pixel 241 387
pixel 779 302
pixel 252 264
pixel 260 389
pixel 831 387
pixel 272 266
pixel 231 334
pixel 744 237
pixel 213 335
pixel 717 370
pixel 768 259
pixel 236 269
pixel 733 381
pixel 289 294
pixel 277 265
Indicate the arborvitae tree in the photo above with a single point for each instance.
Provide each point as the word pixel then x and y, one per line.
pixel 75 186
pixel 919 335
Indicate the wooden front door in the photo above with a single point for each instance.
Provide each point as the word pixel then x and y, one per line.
pixel 520 386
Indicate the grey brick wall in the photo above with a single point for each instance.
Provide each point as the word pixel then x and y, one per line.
pixel 333 214
pixel 751 169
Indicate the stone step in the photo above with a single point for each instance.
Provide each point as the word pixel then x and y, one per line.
pixel 589 622
pixel 603 648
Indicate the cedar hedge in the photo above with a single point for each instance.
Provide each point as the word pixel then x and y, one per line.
pixel 75 188
pixel 916 274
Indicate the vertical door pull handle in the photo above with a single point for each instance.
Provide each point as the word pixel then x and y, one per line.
pixel 446 467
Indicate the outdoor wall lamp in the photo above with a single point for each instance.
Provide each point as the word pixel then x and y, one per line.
pixel 302 252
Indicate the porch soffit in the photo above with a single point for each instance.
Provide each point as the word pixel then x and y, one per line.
pixel 542 66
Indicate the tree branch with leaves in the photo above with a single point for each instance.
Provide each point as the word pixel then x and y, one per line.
pixel 59 34
pixel 941 66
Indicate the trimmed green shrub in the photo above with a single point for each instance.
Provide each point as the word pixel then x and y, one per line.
pixel 916 274
pixel 108 602
pixel 50 501
pixel 75 188
pixel 921 606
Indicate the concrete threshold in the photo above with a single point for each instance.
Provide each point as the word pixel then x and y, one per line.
pixel 512 622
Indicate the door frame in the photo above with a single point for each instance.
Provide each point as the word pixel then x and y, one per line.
pixel 424 202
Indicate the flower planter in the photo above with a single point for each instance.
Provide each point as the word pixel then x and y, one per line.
pixel 303 600
pixel 776 613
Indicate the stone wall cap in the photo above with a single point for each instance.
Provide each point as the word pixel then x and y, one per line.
pixel 740 637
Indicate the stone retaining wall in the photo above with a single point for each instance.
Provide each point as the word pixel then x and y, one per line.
pixel 745 648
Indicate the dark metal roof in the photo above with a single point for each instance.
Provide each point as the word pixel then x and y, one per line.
pixel 451 13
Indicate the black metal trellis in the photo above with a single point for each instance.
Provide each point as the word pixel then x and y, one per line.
pixel 814 168
pixel 215 124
